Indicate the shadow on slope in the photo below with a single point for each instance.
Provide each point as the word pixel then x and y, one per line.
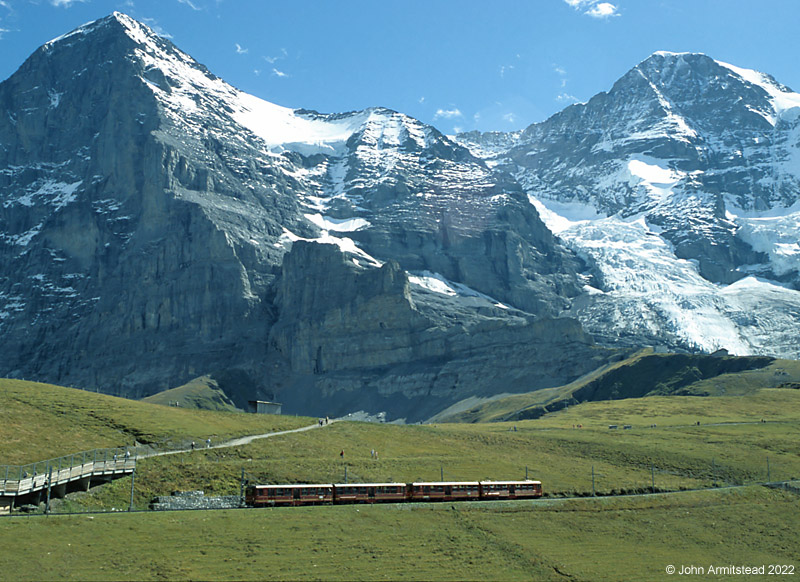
pixel 643 374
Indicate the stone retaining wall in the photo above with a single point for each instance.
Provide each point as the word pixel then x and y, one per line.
pixel 194 500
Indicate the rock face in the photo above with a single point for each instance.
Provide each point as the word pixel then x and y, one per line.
pixel 371 339
pixel 119 251
pixel 147 211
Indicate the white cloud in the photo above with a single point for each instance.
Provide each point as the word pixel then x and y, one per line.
pixel 271 60
pixel 561 72
pixel 509 117
pixel 3 31
pixel 504 68
pixel 190 4
pixel 566 97
pixel 422 99
pixel 65 3
pixel 240 50
pixel 447 113
pixel 279 74
pixel 595 8
pixel 603 10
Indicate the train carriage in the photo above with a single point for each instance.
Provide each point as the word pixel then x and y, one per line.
pixel 444 491
pixel 300 494
pixel 343 493
pixel 511 489
pixel 369 492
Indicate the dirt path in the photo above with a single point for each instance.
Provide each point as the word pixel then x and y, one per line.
pixel 237 442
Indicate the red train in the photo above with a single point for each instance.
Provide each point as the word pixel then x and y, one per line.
pixel 342 493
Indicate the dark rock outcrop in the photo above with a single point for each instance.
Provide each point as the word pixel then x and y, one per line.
pixel 369 339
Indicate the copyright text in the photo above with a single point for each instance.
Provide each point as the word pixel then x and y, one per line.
pixel 732 570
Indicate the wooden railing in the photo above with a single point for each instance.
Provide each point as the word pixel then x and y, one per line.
pixel 17 480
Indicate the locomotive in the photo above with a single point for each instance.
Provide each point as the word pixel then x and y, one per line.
pixel 344 493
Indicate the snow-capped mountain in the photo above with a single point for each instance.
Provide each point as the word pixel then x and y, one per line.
pixel 681 187
pixel 157 224
pixel 149 212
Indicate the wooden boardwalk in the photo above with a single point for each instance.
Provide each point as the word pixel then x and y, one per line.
pixel 21 484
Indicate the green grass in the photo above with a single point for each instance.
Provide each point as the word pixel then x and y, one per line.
pixel 643 374
pixel 41 421
pixel 608 538
pixel 202 393
pixel 599 539
pixel 731 446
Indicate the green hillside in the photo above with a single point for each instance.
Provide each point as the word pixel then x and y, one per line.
pixel 42 421
pixel 643 374
pixel 202 393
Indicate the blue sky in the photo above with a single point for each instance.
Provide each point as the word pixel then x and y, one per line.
pixel 458 64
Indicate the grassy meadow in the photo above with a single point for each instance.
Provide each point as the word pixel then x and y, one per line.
pixel 730 446
pixel 566 535
pixel 632 538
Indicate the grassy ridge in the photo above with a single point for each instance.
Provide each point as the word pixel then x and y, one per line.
pixel 202 393
pixel 41 421
pixel 601 539
pixel 643 374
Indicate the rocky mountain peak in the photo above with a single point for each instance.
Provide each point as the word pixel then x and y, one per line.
pixel 114 23
pixel 692 82
pixel 156 223
pixel 115 29
pixel 692 166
